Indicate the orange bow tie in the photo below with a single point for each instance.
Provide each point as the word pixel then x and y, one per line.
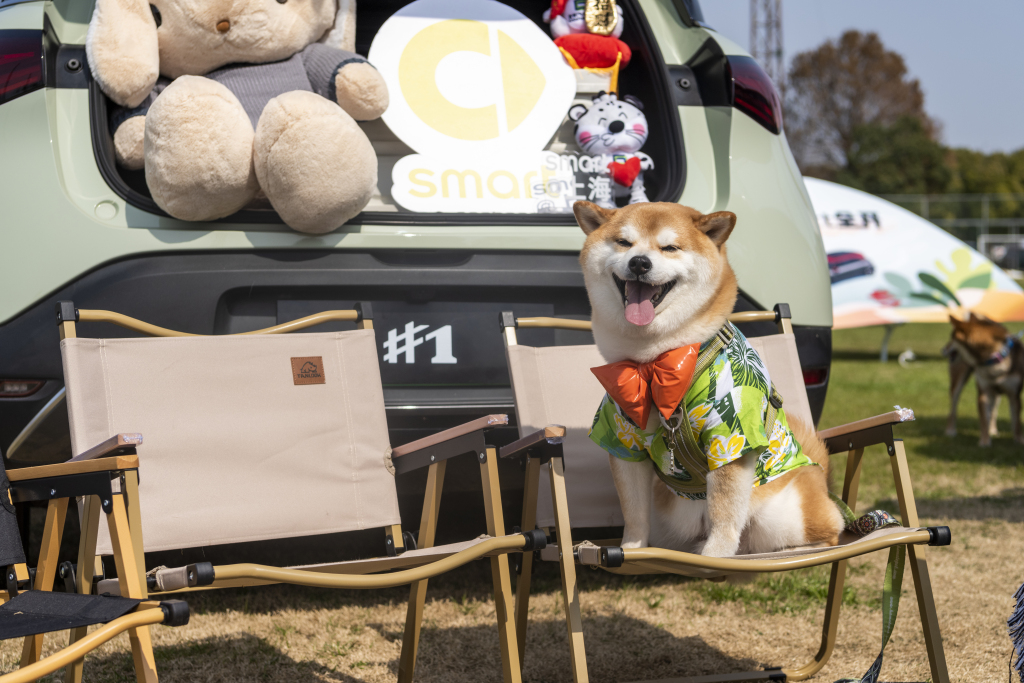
pixel 663 382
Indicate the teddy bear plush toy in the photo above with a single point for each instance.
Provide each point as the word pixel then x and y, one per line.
pixel 589 30
pixel 219 99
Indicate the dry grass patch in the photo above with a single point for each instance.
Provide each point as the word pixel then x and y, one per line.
pixel 636 627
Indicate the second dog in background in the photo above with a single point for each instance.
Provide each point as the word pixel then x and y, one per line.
pixel 986 349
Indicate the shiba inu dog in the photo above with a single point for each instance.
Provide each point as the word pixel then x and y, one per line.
pixel 659 282
pixel 987 350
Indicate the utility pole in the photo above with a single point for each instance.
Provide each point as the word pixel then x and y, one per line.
pixel 766 39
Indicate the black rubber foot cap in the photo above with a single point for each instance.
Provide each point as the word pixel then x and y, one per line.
pixel 535 540
pixel 939 535
pixel 175 612
pixel 200 574
pixel 612 556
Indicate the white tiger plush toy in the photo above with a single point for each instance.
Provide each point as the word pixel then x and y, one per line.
pixel 614 130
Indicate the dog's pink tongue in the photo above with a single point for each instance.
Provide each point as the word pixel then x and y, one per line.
pixel 639 309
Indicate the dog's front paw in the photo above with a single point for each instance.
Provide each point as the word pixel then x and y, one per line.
pixel 720 547
pixel 634 543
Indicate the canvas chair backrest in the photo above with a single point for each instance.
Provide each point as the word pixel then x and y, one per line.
pixel 554 385
pixel 247 438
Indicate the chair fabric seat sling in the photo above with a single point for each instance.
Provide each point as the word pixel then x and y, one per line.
pixel 262 436
pixel 556 395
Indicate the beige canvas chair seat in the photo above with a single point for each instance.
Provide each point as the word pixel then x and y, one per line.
pixel 659 561
pixel 171 580
pixel 556 398
pixel 264 436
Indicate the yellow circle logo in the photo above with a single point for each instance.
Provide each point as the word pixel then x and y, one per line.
pixel 471 77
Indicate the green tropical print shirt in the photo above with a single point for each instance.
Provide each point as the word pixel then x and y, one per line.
pixel 726 407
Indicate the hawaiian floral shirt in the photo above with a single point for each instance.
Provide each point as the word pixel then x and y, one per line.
pixel 726 406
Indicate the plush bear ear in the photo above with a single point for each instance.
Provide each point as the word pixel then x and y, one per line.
pixel 122 48
pixel 577 111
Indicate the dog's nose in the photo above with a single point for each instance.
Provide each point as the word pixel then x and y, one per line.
pixel 223 25
pixel 638 265
pixel 616 126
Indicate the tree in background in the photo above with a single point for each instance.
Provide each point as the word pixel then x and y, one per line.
pixel 839 90
pixel 898 159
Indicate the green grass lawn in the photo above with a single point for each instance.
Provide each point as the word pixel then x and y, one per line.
pixel 951 476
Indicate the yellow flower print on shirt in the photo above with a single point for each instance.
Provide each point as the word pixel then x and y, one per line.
pixel 629 435
pixel 699 416
pixel 725 449
pixel 780 446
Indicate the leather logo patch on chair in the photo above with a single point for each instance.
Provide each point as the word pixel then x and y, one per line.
pixel 308 370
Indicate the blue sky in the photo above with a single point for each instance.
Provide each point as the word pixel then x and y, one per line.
pixel 969 56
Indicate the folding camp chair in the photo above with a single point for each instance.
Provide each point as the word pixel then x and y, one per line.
pixel 262 436
pixel 28 606
pixel 554 386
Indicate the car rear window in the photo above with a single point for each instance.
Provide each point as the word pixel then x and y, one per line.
pixel 492 185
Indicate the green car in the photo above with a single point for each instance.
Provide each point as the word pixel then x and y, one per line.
pixel 75 226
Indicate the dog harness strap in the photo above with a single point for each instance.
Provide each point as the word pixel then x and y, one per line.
pixel 772 413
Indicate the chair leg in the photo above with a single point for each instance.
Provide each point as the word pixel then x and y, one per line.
pixel 87 569
pixel 567 564
pixel 919 566
pixel 418 590
pixel 530 487
pixel 46 570
pixel 131 482
pixel 837 581
pixel 131 587
pixel 504 607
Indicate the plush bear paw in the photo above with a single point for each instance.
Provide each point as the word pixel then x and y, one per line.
pixel 198 148
pixel 315 164
pixel 361 91
pixel 128 143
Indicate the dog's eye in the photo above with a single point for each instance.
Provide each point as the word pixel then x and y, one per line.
pixel 668 248
pixel 624 243
pixel 156 15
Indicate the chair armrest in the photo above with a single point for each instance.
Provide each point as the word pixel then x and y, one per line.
pixel 110 464
pixel 552 434
pixel 465 438
pixel 449 434
pixel 119 444
pixel 839 438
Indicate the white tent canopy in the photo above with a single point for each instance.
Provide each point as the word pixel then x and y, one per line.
pixel 890 266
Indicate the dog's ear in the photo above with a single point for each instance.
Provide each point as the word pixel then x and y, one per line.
pixel 591 216
pixel 122 49
pixel 718 226
pixel 958 325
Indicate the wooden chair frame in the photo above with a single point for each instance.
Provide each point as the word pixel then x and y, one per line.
pixel 396 569
pixel 545 446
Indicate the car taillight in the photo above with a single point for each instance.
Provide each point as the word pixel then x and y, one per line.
pixel 814 376
pixel 16 388
pixel 754 93
pixel 21 63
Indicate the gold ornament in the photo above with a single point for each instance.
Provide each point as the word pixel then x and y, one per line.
pixel 601 17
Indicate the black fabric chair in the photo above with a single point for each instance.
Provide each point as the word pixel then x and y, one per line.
pixel 29 606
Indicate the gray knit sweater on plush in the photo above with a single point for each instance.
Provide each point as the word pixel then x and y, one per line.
pixel 312 70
